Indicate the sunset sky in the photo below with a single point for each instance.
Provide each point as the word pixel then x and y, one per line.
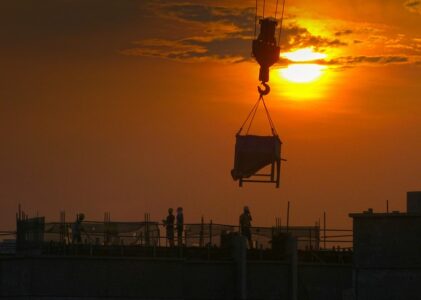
pixel 132 106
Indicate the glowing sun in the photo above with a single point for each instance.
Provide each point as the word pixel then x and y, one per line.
pixel 306 54
pixel 305 70
pixel 302 73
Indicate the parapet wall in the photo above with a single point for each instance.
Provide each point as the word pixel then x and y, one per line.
pixel 93 278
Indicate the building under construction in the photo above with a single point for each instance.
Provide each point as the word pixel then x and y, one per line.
pixel 379 259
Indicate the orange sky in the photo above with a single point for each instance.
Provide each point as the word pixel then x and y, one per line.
pixel 132 107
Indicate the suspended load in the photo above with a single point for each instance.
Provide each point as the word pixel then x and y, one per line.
pixel 254 152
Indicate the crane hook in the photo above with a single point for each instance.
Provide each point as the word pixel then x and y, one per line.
pixel 264 92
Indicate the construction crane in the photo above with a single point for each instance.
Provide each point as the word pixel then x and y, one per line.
pixel 266 51
pixel 265 48
pixel 253 152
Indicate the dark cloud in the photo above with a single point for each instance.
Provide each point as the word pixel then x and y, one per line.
pixel 343 32
pixel 193 49
pixel 378 59
pixel 230 47
pixel 240 18
pixel 224 48
pixel 355 60
pixel 294 36
pixel 413 6
pixel 413 3
pixel 233 43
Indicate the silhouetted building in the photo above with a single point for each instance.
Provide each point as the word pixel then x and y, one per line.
pixel 387 252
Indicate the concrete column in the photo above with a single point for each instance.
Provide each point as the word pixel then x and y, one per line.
pixel 239 254
pixel 354 282
pixel 291 251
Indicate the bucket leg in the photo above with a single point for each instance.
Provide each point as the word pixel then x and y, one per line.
pixel 278 172
pixel 272 171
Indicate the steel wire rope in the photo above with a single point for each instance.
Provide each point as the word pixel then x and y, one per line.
pixel 276 8
pixel 282 19
pixel 248 116
pixel 272 125
pixel 255 21
pixel 264 6
pixel 253 111
pixel 254 114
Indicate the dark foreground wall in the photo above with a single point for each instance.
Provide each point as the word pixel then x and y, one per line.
pixel 135 278
pixel 387 256
pixel 324 281
pixel 388 284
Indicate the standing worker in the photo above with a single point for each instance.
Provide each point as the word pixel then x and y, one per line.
pixel 245 225
pixel 77 229
pixel 169 225
pixel 180 225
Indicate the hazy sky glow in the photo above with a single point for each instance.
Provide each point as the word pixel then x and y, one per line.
pixel 132 107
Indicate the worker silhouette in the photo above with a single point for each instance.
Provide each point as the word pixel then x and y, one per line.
pixel 180 226
pixel 77 229
pixel 245 225
pixel 169 226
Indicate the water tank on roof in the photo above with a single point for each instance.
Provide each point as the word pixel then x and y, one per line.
pixel 413 202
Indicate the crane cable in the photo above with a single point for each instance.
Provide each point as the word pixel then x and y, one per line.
pixel 252 114
pixel 253 111
pixel 255 21
pixel 248 116
pixel 276 13
pixel 276 8
pixel 272 125
pixel 264 6
pixel 282 19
